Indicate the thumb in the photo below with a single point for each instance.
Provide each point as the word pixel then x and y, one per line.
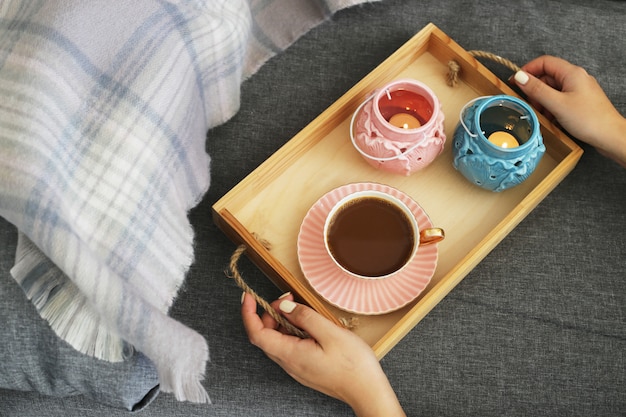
pixel 541 95
pixel 309 320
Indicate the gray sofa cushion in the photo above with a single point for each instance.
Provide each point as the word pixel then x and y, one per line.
pixel 538 328
pixel 33 358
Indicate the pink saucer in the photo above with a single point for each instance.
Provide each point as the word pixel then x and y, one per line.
pixel 357 295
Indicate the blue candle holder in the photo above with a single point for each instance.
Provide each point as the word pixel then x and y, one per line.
pixel 489 165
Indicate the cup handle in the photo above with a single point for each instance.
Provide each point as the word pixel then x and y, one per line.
pixel 432 235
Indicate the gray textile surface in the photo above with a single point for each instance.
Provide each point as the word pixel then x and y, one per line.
pixel 33 358
pixel 538 328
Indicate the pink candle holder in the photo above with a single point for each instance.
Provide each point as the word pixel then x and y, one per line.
pixel 399 128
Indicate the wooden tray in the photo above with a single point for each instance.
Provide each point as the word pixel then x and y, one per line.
pixel 272 201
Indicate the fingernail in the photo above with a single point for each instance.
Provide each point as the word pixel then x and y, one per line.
pixel 521 77
pixel 243 296
pixel 287 306
pixel 285 295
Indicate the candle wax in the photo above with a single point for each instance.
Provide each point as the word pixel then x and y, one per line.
pixel 503 139
pixel 404 121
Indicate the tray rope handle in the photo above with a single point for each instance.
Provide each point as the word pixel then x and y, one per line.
pixel 454 68
pixel 233 272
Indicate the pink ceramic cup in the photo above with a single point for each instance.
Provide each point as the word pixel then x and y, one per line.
pixel 399 128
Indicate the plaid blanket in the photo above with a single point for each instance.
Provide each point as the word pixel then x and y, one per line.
pixel 104 110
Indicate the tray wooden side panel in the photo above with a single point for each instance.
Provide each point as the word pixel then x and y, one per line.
pixel 274 270
pixel 473 72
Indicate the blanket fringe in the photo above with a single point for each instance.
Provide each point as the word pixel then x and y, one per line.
pixel 182 375
pixel 71 316
pixel 63 306
pixel 188 388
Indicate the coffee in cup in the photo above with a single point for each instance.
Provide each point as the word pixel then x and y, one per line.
pixel 372 234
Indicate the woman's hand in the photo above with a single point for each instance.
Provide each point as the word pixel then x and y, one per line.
pixel 333 361
pixel 567 93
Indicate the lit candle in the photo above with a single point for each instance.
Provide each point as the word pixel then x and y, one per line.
pixel 404 121
pixel 503 139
